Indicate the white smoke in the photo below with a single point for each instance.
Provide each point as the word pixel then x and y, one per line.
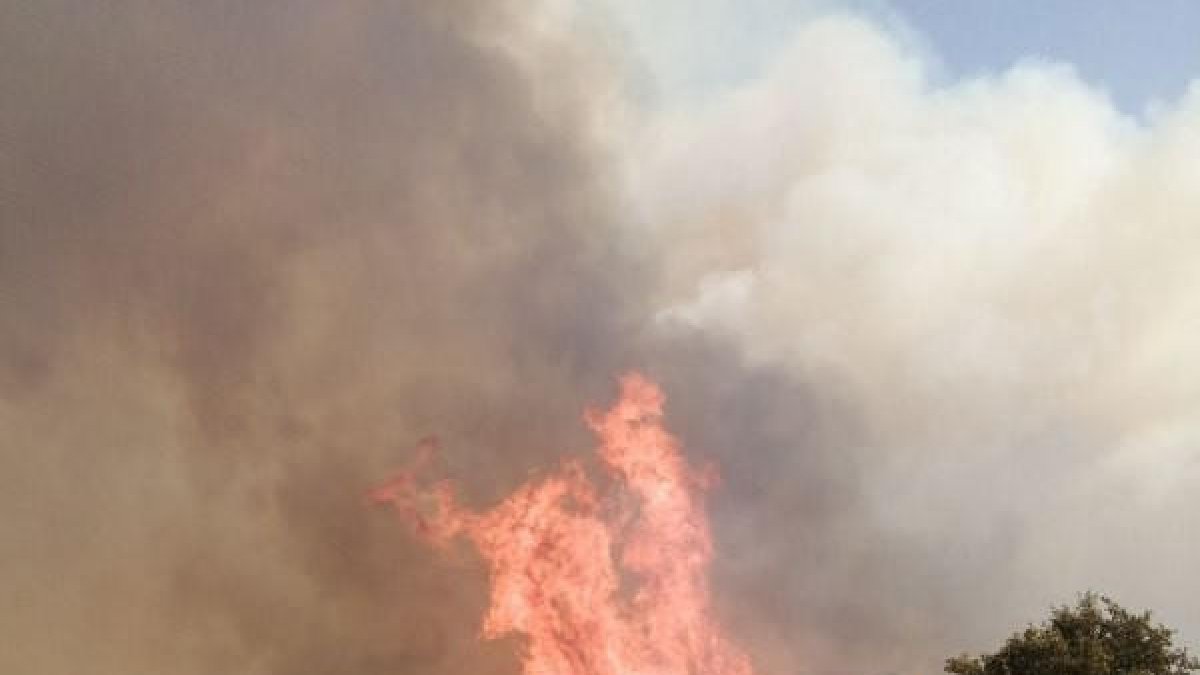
pixel 1004 273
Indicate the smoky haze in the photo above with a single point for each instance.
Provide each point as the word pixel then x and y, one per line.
pixel 252 252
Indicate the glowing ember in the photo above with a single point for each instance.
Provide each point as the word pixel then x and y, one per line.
pixel 601 582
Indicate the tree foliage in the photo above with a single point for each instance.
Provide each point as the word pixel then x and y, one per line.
pixel 1095 637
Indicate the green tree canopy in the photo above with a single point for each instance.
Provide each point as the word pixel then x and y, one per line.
pixel 1095 637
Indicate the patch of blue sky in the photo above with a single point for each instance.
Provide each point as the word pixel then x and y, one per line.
pixel 1143 54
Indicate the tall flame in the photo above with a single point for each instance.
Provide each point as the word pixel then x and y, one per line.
pixel 608 581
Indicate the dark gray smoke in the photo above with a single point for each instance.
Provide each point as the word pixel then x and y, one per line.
pixel 251 252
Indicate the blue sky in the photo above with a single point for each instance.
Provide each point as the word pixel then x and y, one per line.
pixel 1140 52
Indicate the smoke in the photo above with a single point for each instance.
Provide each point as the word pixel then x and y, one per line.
pixel 934 336
pixel 251 253
pixel 999 278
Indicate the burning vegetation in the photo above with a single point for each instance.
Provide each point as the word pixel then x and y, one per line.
pixel 603 577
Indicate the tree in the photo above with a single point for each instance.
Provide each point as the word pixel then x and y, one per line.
pixel 1096 637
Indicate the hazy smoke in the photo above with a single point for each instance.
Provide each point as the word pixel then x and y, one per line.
pixel 251 252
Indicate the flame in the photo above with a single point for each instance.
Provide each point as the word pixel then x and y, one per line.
pixel 600 582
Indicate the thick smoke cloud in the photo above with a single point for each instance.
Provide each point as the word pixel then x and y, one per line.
pixel 1000 275
pixel 251 252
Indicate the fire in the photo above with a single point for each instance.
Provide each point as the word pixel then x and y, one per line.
pixel 608 580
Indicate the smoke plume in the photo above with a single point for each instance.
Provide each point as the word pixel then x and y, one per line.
pixel 935 336
pixel 997 278
pixel 251 253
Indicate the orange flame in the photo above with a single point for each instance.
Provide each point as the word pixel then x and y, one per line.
pixel 611 583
